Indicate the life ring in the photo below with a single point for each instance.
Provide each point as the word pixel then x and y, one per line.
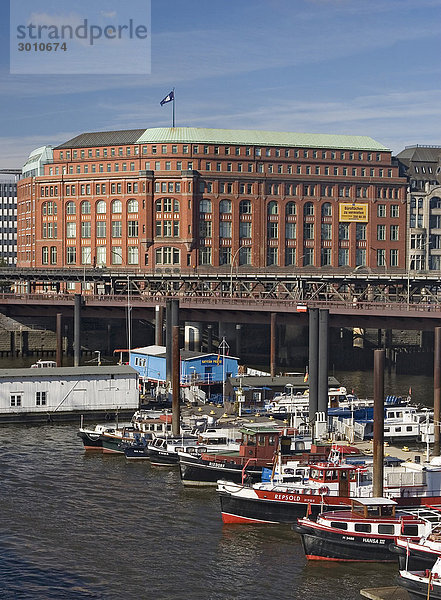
pixel 324 490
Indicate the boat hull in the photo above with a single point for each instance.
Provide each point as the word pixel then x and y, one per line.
pixel 421 589
pixel 91 441
pixel 198 472
pixel 415 558
pixel 320 544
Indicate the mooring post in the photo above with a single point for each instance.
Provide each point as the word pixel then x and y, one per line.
pixel 273 336
pixel 59 356
pixel 176 414
pixel 313 363
pixel 77 329
pixel 209 338
pixel 378 446
pixel 437 391
pixel 168 340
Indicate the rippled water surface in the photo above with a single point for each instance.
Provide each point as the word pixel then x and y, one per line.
pixel 77 525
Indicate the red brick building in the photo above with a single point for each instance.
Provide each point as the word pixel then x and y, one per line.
pixel 183 198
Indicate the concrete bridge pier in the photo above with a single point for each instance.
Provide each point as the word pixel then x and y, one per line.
pixel 209 338
pixel 192 336
pixel 159 325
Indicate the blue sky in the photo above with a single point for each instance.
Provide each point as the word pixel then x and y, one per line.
pixel 324 66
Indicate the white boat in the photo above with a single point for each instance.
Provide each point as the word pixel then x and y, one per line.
pixel 421 585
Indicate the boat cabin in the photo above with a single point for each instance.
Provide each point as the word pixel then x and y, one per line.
pixel 369 508
pixel 334 477
pixel 262 443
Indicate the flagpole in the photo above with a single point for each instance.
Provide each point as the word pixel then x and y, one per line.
pixel 173 113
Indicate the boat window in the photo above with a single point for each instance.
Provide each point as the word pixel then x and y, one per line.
pixel 386 429
pixel 410 530
pixel 339 525
pixel 261 440
pixel 397 428
pixel 364 527
pixel 409 428
pixel 272 440
pixel 386 529
pixel 331 475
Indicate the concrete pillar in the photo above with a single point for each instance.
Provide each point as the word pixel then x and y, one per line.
pixel 109 339
pixel 209 338
pixel 273 338
pixel 378 445
pixel 59 330
pixel 323 361
pixel 238 339
pixel 192 336
pixel 176 414
pixel 77 329
pixel 168 339
pixel 159 325
pixel 313 362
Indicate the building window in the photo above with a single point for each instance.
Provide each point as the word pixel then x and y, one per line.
pixel 381 232
pixel 205 206
pixel 381 257
pixel 273 208
pixel 205 229
pixel 116 206
pixel 101 229
pixel 272 256
pixel 132 228
pixel 290 209
pixel 394 233
pixel 245 207
pixel 225 229
pixel 326 257
pixel 225 206
pixel 343 231
pixel 326 231
pixel 225 256
pixel 205 255
pixel 45 255
pixel 15 400
pixel 116 229
pixel 70 208
pixel 167 256
pixel 308 209
pixel 360 231
pixel 71 255
pixel 308 257
pixel 40 398
pixel 245 256
pixel 245 230
pixel 86 255
pixel 101 207
pixel 116 257
pixel 394 211
pixel 290 256
pixel 272 230
pixel 71 230
pixel 132 206
pixel 132 255
pixel 394 258
pixel 360 257
pixel 85 229
pixel 290 231
pixel 326 209
pixel 343 257
pixel 308 231
pixel 381 210
pixel 85 207
pixel 101 255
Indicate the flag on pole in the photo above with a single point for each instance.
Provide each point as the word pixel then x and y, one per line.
pixel 169 98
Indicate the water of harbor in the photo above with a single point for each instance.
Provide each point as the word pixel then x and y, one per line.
pixel 77 525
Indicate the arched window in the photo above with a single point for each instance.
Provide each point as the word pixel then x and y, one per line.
pixel 85 207
pixel 116 206
pixel 225 206
pixel 245 207
pixel 326 209
pixel 273 208
pixel 70 208
pixel 44 208
pixel 205 206
pixel 435 202
pixel 167 256
pixel 308 209
pixel 132 206
pixel 291 208
pixel 101 207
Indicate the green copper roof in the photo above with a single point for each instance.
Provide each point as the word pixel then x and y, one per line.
pixel 258 138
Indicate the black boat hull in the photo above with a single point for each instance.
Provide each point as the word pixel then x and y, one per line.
pixel 207 473
pixel 329 545
pixel 418 590
pixel 418 560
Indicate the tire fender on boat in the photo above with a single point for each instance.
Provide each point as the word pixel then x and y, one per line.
pixel 324 490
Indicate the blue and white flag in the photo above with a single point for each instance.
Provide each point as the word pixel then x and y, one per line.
pixel 169 98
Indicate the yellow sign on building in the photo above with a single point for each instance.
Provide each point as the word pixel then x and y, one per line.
pixel 353 212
